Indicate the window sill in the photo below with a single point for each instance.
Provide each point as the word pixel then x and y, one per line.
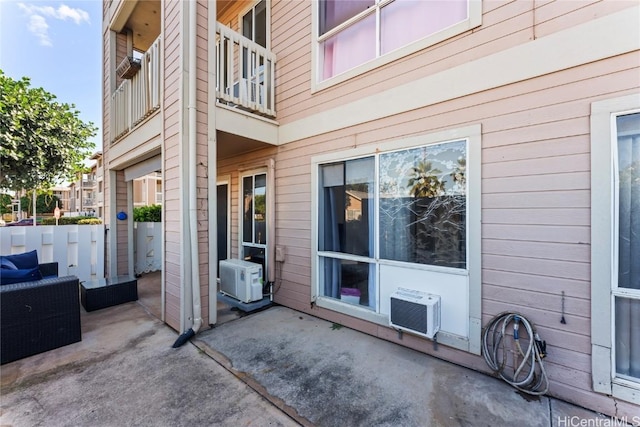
pixel 628 391
pixel 444 338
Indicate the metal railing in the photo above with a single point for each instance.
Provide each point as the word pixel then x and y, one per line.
pixel 138 97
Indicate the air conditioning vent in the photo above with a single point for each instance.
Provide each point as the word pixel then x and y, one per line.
pixel 416 312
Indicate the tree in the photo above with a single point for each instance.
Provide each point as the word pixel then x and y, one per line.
pixel 424 181
pixel 5 204
pixel 45 202
pixel 42 141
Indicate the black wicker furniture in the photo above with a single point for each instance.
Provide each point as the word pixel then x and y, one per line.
pixel 39 315
pixel 102 293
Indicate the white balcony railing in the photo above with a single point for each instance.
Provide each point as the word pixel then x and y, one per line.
pixel 137 98
pixel 245 80
pixel 245 73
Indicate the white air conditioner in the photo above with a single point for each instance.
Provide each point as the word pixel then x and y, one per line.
pixel 241 279
pixel 416 312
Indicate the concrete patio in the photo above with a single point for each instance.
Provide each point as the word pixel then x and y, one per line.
pixel 277 367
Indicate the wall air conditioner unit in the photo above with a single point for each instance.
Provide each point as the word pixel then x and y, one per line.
pixel 416 312
pixel 241 280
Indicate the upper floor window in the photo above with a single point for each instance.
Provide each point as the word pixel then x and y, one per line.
pixel 254 24
pixel 353 32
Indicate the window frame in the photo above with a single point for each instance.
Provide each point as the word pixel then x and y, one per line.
pixel 470 133
pixel 604 252
pixel 474 19
pixel 251 9
pixel 241 242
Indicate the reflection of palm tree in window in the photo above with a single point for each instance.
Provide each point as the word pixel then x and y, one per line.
pixel 424 181
pixel 459 174
pixel 438 227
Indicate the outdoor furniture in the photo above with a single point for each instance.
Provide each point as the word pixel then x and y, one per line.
pixel 102 293
pixel 39 315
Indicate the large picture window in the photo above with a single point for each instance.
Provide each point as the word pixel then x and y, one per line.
pixel 423 205
pixel 406 205
pixel 351 33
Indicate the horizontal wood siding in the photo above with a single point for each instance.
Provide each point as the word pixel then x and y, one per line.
pixel 535 207
pixel 202 145
pixel 121 227
pixel 172 199
pixel 505 24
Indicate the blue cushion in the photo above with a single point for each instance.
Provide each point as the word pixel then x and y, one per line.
pixel 26 260
pixel 6 263
pixel 8 276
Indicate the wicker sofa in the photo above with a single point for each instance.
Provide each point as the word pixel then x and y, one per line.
pixel 40 315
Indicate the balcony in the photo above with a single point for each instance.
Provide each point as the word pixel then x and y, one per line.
pixel 89 202
pixel 245 81
pixel 139 97
pixel 245 73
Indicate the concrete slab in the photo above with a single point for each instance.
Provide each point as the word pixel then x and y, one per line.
pixel 276 367
pixel 327 376
pixel 124 372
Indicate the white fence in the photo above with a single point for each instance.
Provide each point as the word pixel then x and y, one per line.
pixel 148 246
pixel 78 249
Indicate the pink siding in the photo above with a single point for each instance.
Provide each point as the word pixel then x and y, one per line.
pixel 535 199
pixel 202 158
pixel 535 169
pixel 172 158
pixel 505 24
pixel 121 226
pixel 174 89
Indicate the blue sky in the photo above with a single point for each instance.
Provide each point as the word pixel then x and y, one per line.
pixel 57 44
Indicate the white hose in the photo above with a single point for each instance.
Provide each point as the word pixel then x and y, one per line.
pixel 528 374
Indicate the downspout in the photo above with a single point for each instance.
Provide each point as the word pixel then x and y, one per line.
pixel 192 164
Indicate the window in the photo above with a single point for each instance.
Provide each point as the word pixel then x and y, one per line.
pixel 402 213
pixel 254 219
pixel 351 33
pixel 254 24
pixel 615 247
pixel 626 289
pixel 405 205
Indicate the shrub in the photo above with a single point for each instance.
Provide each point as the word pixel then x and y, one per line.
pixel 152 213
pixel 90 221
pixel 71 220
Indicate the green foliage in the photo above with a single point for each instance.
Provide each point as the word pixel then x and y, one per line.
pixel 45 202
pixel 151 213
pixel 90 221
pixel 5 204
pixel 42 142
pixel 424 180
pixel 71 220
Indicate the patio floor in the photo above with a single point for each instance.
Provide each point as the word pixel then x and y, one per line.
pixel 277 367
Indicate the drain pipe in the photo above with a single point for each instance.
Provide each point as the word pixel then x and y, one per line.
pixel 193 199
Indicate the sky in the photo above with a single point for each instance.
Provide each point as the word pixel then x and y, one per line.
pixel 57 44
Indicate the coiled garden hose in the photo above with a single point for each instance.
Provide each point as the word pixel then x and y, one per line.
pixel 502 350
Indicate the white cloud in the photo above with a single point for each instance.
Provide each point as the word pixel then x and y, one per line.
pixel 38 23
pixel 39 27
pixel 77 15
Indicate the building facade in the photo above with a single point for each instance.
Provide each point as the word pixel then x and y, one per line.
pixel 482 151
